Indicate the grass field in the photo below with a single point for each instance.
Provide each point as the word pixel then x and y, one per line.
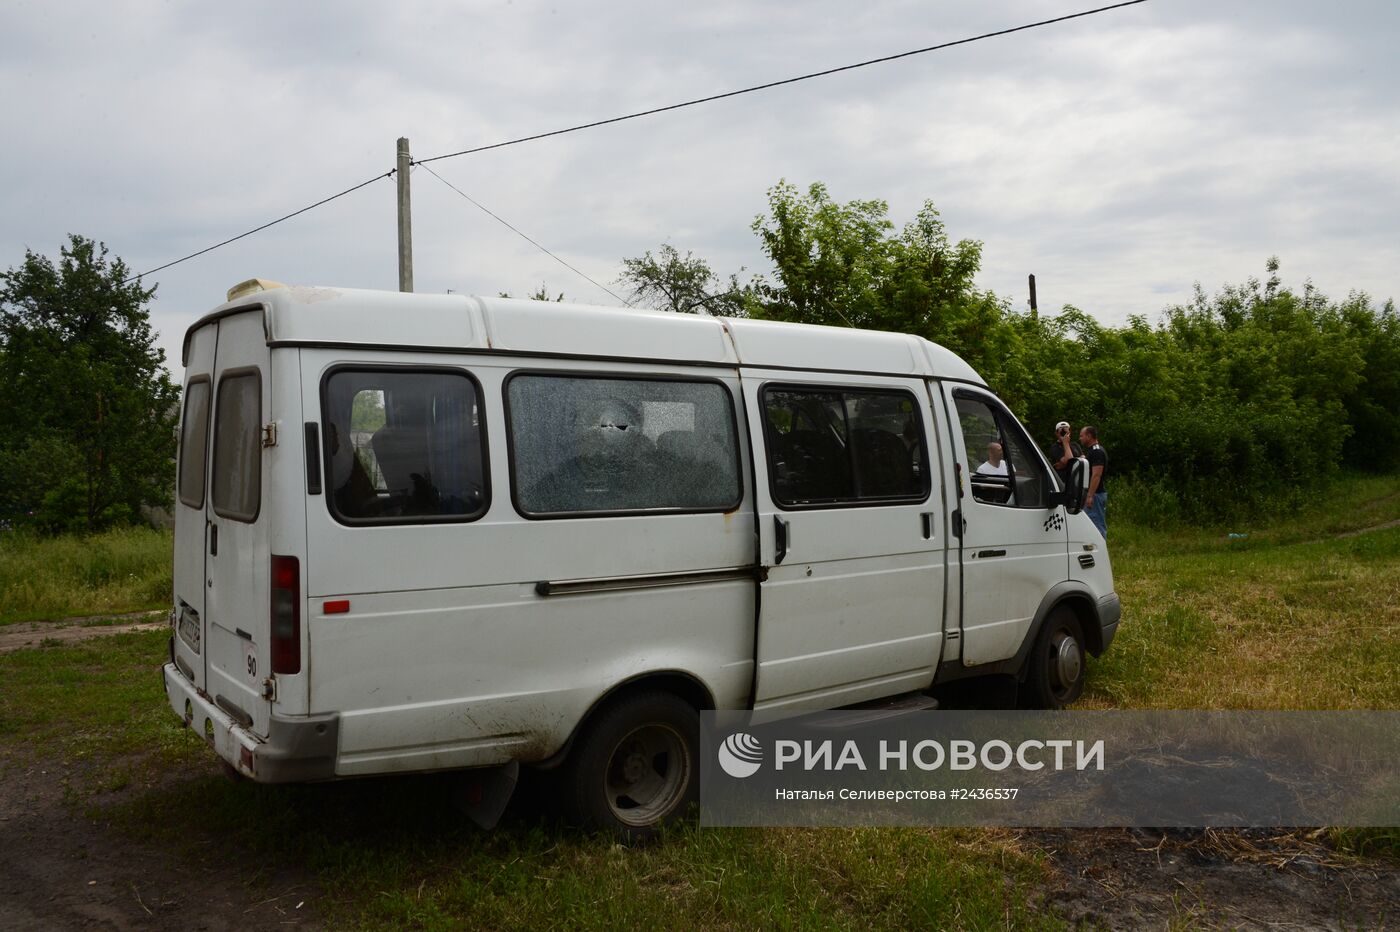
pixel 124 570
pixel 1295 615
pixel 1302 613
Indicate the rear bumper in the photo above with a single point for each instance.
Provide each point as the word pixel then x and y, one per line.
pixel 296 750
pixel 1110 612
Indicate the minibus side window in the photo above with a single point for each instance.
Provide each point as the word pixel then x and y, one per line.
pixel 237 481
pixel 593 445
pixel 403 446
pixel 194 442
pixel 844 446
pixel 1001 466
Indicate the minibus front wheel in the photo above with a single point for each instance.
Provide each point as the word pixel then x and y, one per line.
pixel 1055 674
pixel 636 765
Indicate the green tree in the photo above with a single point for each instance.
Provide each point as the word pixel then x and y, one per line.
pixel 1236 402
pixel 685 284
pixel 367 411
pixel 87 436
pixel 831 261
pixel 845 265
pixel 1373 404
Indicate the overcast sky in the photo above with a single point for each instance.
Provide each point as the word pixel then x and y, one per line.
pixel 1120 157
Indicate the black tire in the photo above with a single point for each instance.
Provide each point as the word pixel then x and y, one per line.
pixel 1055 668
pixel 635 766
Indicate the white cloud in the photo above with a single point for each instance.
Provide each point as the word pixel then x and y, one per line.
pixel 1119 157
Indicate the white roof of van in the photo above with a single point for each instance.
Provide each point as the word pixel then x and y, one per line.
pixel 393 320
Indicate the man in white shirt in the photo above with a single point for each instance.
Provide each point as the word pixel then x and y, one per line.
pixel 995 491
pixel 994 464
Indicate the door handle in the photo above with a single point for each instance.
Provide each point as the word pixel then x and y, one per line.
pixel 780 539
pixel 927 519
pixel 213 539
pixel 982 554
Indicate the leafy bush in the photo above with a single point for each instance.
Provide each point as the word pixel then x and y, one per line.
pixel 1152 503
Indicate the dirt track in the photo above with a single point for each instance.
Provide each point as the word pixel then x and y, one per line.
pixel 62 867
pixel 67 630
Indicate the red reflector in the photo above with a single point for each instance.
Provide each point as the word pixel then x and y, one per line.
pixel 245 757
pixel 338 607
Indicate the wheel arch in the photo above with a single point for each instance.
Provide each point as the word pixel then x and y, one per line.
pixel 686 685
pixel 1075 596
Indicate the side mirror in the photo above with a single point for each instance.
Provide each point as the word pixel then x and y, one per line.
pixel 1078 484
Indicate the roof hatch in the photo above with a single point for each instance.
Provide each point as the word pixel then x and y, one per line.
pixel 251 286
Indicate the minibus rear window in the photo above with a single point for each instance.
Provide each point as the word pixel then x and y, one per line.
pixel 403 446
pixel 591 445
pixel 237 481
pixel 194 442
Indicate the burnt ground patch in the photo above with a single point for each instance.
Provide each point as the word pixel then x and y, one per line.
pixel 1236 879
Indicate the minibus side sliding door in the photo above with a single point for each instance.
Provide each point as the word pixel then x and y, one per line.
pixel 850 535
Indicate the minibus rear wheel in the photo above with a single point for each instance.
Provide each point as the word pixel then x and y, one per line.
pixel 1055 677
pixel 636 765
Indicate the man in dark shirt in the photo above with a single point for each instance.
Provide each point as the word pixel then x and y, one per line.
pixel 1062 452
pixel 1096 498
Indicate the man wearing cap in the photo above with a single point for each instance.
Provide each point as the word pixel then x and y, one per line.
pixel 1062 452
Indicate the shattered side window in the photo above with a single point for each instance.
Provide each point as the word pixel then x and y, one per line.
pixel 593 445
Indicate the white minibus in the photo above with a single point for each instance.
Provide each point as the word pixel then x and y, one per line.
pixel 427 532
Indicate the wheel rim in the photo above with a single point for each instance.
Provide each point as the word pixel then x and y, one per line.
pixel 1066 662
pixel 647 774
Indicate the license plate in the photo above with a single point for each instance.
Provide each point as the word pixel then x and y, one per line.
pixel 189 629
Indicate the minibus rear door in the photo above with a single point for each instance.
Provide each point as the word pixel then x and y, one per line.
pixel 191 526
pixel 237 556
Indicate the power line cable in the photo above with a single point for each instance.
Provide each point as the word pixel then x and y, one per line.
pixel 620 119
pixel 527 239
pixel 772 84
pixel 234 239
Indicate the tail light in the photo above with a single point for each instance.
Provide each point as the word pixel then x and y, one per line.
pixel 286 615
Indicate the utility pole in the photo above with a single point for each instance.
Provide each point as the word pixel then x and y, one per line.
pixel 1035 313
pixel 405 219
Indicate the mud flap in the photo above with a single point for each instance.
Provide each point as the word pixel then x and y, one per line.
pixel 482 795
